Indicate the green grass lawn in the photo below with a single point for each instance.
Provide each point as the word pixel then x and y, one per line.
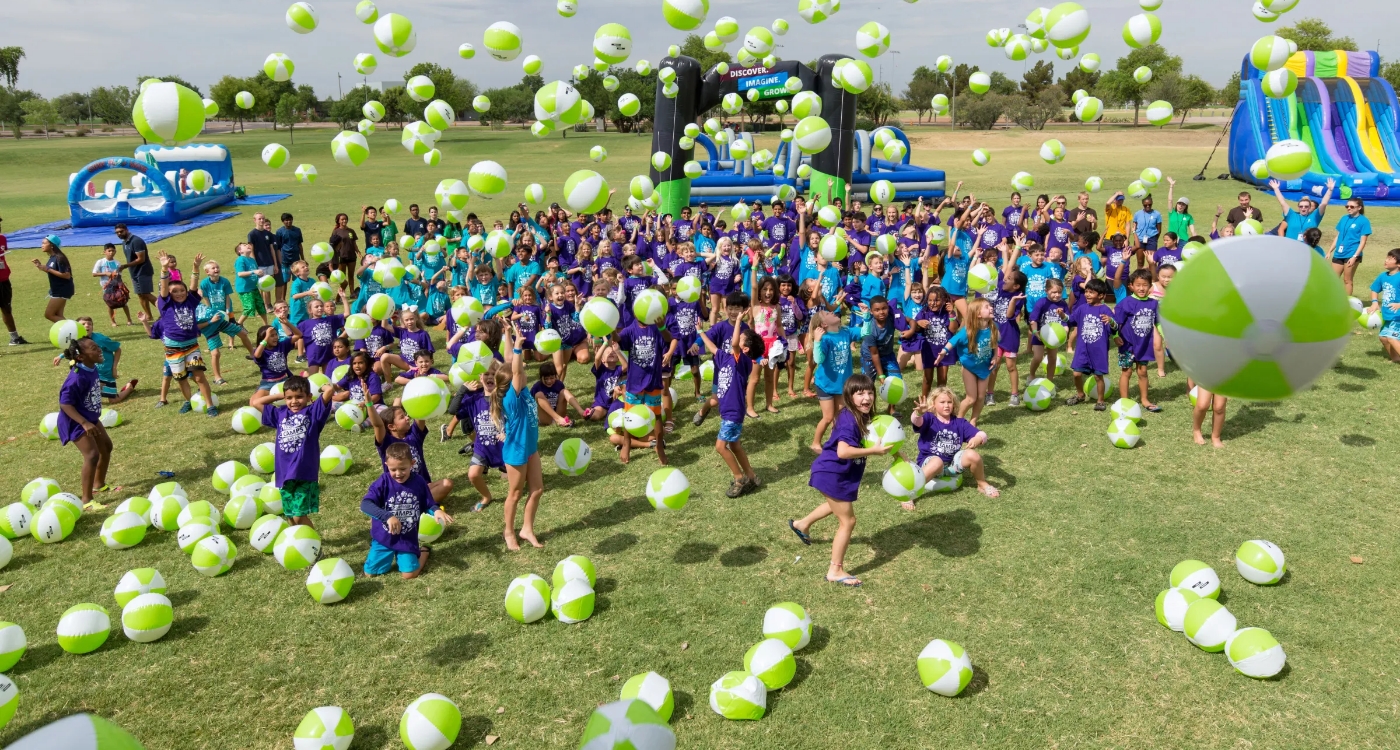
pixel 1050 587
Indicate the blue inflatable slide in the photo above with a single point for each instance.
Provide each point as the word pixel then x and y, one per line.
pixel 159 192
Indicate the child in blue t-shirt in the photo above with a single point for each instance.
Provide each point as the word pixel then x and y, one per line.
pixel 1385 299
pixel 831 351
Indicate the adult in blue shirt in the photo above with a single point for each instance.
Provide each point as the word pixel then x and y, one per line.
pixel 1147 225
pixel 521 448
pixel 1353 231
pixel 1308 215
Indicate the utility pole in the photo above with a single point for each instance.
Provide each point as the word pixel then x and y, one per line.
pixel 338 87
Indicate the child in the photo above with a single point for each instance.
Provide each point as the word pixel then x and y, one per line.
pixel 938 321
pixel 1090 325
pixel 1007 306
pixel 395 501
pixel 107 368
pixel 318 333
pixel 554 399
pixel 768 324
pixel 300 293
pixel 837 472
pixel 1207 401
pixel 271 357
pixel 1385 299
pixel 170 265
pixel 517 418
pixel 298 445
pixel 1136 316
pixel 528 316
pixel 877 354
pixel 422 368
pixel 245 270
pixel 114 292
pixel 362 384
pixel 1165 274
pixel 794 317
pixel 341 352
pixel 178 307
pixel 1050 309
pixel 910 326
pixel 79 417
pixel 649 351
pixel 733 364
pixel 60 275
pixel 401 430
pixel 946 443
pixel 831 353
pixel 976 349
pixel 573 339
pixel 608 370
pixel 155 331
pixel 683 323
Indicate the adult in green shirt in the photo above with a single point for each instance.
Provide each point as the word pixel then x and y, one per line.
pixel 1180 220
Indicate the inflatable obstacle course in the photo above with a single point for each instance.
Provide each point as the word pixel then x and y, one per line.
pixel 169 185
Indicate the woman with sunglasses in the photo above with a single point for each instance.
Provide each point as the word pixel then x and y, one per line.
pixel 1349 246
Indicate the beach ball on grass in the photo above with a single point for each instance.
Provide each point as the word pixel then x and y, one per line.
pixel 1261 562
pixel 573 602
pixel 628 724
pixel 52 524
pixel 1208 624
pixel 739 696
pixel 772 663
pixel 1126 408
pixel 68 501
pixel 1196 577
pixel 243 510
pixel 335 460
pixel 324 728
pixel 15 520
pixel 330 580
pixel 1256 317
pixel 653 690
pixel 76 732
pixel 123 530
pixel 789 623
pixel 84 628
pixel 430 723
pixel 37 491
pixel 264 532
pixel 573 457
pixel 1254 652
pixel 394 35
pixel 137 582
pixel 902 481
pixel 944 667
pixel 225 474
pixel 574 567
pixel 527 599
pixel 147 618
pixel 166 510
pixel 1171 605
pixel 213 555
pixel 600 316
pixel 668 489
pixel 1124 433
pixel 1040 394
pixel 13 644
pixel 297 547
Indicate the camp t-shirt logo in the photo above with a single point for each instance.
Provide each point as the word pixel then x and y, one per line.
pixel 610 384
pixel 527 321
pixel 292 432
pixel 643 351
pixel 1035 286
pixel 407 348
pixel 723 380
pixel 937 331
pixel 1142 322
pixel 840 356
pixel 321 334
pixel 1000 306
pixel 946 443
pixel 486 429
pixel 183 317
pixel 373 342
pixel 990 237
pixel 1091 329
pixel 276 361
pixel 1062 234
pixel 92 401
pixel 685 320
pixel 789 318
pixel 404 506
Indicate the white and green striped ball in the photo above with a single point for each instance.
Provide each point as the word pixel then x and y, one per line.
pixel 527 599
pixel 13 644
pixel 214 555
pixel 467 311
pixel 137 582
pixel 1093 184
pixel 77 732
pixel 279 67
pixel 1289 159
pixel 37 491
pixel 498 243
pixel 306 173
pixel 429 529
pixel 535 194
pixel 170 114
pixel 324 728
pixel 833 247
pixel 123 530
pixel 1171 605
pixel 302 18
pixel 1022 181
pixel 475 357
pixel 1197 577
pixel 84 628
pixel 1067 25
pixel 789 623
pixel 1279 6
pixel 573 457
pixel 981 157
pixel 689 289
pixel 430 723
pixel 628 724
pixel 195 530
pixel 1090 62
pixel 531 65
pixel 1124 433
pixel 668 489
pixel 420 88
pixel 855 76
pixel 585 191
pixel 1052 151
pixel 244 100
pixel 758 41
pixel 882 191
pixel 211 108
pixel 727 29
pixel 297 547
pixel 52 524
pixel 1254 652
pixel 9 703
pixel 418 138
pixel 812 135
pixel 1150 177
pixel 1260 562
pixel 373 110
pixel 226 473
pixel 1279 83
pixel 650 306
pixel 641 187
pixel 244 509
pixel 466 51
pixel 379 306
pixel 600 316
pixel 16 519
pixel 575 568
pixel 366 63
pixel 72 503
pixel 944 667
pixel 1160 112
pixel 165 511
pixel 452 194
pixel 487 178
pixel 653 690
pixel 1208 624
pixel 739 696
pixel 439 114
pixel 629 105
pixel 1142 29
pixel 1137 190
pixel 1018 47
pixel 349 149
pixel 359 325
pixel 1089 109
pixel 895 151
pixel 147 618
pixel 612 43
pixel 1040 394
pixel 425 398
pixel 573 602
pixel 265 531
pixel 661 161
pixel 1270 53
pixel 501 40
pixel 816 11
pixel 330 580
pixel 335 460
pixel 1126 408
pixel 887 244
pixel 394 35
pixel 872 39
pixel 692 169
pixel 771 661
pixel 885 430
pixel 685 15
pixel 7 551
pixel 199 180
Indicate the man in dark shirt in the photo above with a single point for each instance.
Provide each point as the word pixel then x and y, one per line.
pixel 414 226
pixel 138 261
pixel 265 252
pixel 289 243
pixel 1084 218
pixel 1244 211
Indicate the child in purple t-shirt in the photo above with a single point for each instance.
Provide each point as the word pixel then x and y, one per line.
pixel 609 369
pixel 946 443
pixel 648 352
pixel 1008 303
pixel 1136 316
pixel 554 399
pixel 319 332
pixel 412 339
pixel 395 501
pixel 1049 309
pixel 1091 324
pixel 393 427
pixel 298 446
pixel 272 356
pixel 79 412
pixel 733 365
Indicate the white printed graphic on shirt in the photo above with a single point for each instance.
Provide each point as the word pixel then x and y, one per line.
pixel 723 380
pixel 1091 329
pixel 486 429
pixel 276 361
pixel 292 432
pixel 92 401
pixel 643 351
pixel 404 506
pixel 184 318
pixel 946 443
pixel 321 334
pixel 1142 322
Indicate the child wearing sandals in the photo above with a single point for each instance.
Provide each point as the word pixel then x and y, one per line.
pixel 947 443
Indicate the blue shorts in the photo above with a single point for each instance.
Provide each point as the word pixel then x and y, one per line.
pixel 887 359
pixel 730 432
pixel 823 395
pixel 214 332
pixel 1391 330
pixel 268 385
pixel 649 399
pixel 381 559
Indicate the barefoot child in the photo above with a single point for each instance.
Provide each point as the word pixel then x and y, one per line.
pixel 837 472
pixel 554 399
pixel 831 353
pixel 946 443
pixel 395 501
pixel 517 418
pixel 1091 325
pixel 1207 401
pixel 272 356
pixel 79 417
pixel 1136 316
pixel 298 445
pixel 975 346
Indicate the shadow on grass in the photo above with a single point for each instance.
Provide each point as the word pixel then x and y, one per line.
pixel 821 638
pixel 683 702
pixel 454 554
pixel 619 512
pixel 980 681
pixel 742 557
pixel 1361 373
pixel 37 658
pixel 1251 418
pixel 615 544
pixel 603 586
pixel 185 627
pixel 1351 388
pixel 474 731
pixel 181 598
pixel 458 649
pixel 22 561
pixel 365 588
pixel 1357 441
pixel 370 738
pixel 695 552
pixel 955 533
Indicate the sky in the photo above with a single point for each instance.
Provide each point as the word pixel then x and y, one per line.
pixel 75 45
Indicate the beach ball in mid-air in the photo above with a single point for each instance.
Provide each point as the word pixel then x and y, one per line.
pixel 1279 84
pixel 487 179
pixel 585 191
pixel 1067 25
pixel 1141 30
pixel 275 155
pixel 394 35
pixel 1160 112
pixel 1090 62
pixel 812 135
pixel 612 43
pixel 1052 151
pixel 685 15
pixel 172 115
pixel 366 63
pixel 349 148
pixel 1270 53
pixel 873 39
pixel 600 316
pixel 1289 159
pixel 279 67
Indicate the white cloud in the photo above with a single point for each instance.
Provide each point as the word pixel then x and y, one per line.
pixel 76 45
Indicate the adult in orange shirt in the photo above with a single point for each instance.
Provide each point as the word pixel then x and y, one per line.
pixel 1116 216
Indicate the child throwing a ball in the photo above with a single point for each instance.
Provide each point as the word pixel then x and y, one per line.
pixel 79 416
pixel 395 501
pixel 298 446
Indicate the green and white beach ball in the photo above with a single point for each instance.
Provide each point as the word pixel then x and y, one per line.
pixel 548 341
pixel 531 65
pixel 394 35
pixel 944 667
pixel 244 100
pixel 1270 53
pixel 38 490
pixel 689 289
pixel 872 39
pixel 166 510
pixel 779 27
pixel 1289 159
pixel 641 187
pixel 425 397
pixel 771 662
pixel 566 8
pixel 16 519
pixel 661 161
pixel 573 457
pixel 739 696
pixel 373 110
pixel 429 529
pixel 147 618
pixel 335 460
pixel 629 105
pixel 758 41
pixel 527 599
pixel 84 628
pixel 833 247
pixel 350 149
pixel 226 473
pixel 980 82
pixel 600 316
pixel 475 357
pixel 1093 184
pixel 982 277
pixel 1141 30
pixel 1040 394
pixel 77 732
pixel 855 76
pixel 1090 62
pixel 1150 177
pixel 123 530
pixel 1022 181
pixel 805 104
pixel 137 582
pixel 668 489
pixel 1160 112
pixel 172 488
pixel 1126 408
pixel 1124 433
pixel 430 723
pixel 882 192
pixel 573 602
pixel 789 623
pixel 467 311
pixel 172 115
pixel 366 63
pixel 1254 652
pixel 628 724
pixel 652 689
pixel 7 552
pixel 1249 227
pixel 1197 577
pixel 359 325
pixel 1256 317
pixel 439 114
pixel 1067 53
pixel 9 701
pixel 612 43
pixel 265 531
pixel 1018 47
pixel 13 644
pixel 650 306
pixel 1171 605
pixel 68 501
pixel 487 178
pixel 575 567
pixel 1137 190
pixel 502 41
pixel 1035 23
pixel 1052 151
pixel 1143 74
pixel 52 523
pixel 330 580
pixel 816 11
pixel 302 18
pixel 585 191
pixel 981 157
pixel 324 728
pixel 211 108
pixel 214 555
pixel 1067 25
pixel 812 135
pixel 244 509
pixel 1261 562
pixel 903 481
pixel 297 547
pixel 279 67
pixel 892 388
pixel 1208 624
pixel 685 15
pixel 895 151
pixel 727 29
pixel 1280 83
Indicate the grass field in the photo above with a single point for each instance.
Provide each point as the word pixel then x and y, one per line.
pixel 1050 586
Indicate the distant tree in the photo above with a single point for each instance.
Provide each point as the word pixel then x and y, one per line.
pixel 307 103
pixel 1314 34
pixel 40 113
pixel 1032 112
pixel 509 104
pixel 1075 80
pixel 286 113
pixel 9 64
pixel 533 83
pixel 1185 93
pixel 12 107
pixel 171 79
pixel 694 46
pixel 1003 85
pixel 445 84
pixel 72 107
pixel 1038 78
pixel 112 104
pixel 1229 94
pixel 982 112
pixel 399 107
pixel 877 104
pixel 1117 87
pixel 224 94
pixel 1391 72
pixel 591 89
pixel 349 109
pixel 923 86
